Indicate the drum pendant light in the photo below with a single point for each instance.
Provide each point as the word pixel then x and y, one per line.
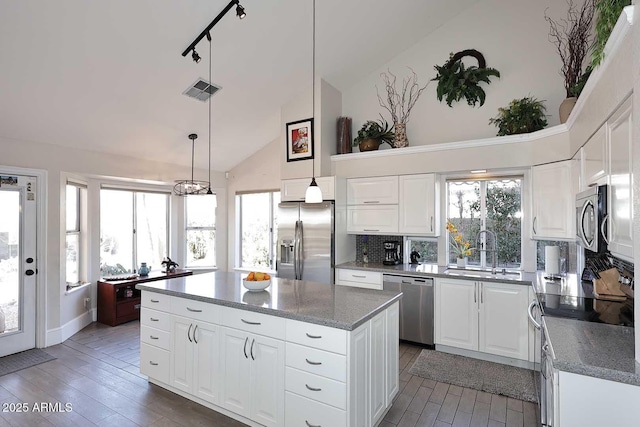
pixel 313 194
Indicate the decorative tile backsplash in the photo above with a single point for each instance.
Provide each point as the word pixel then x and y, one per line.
pixel 375 247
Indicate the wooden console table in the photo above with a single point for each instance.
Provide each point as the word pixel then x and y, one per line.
pixel 119 300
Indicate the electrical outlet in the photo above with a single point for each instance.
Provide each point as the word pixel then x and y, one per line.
pixel 87 302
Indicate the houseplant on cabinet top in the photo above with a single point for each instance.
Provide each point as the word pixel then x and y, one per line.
pixel 521 116
pixel 399 104
pixel 372 134
pixel 572 37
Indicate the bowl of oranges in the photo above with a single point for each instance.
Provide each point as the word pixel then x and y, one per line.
pixel 257 281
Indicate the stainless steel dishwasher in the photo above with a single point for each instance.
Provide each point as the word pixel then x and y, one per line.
pixel 416 306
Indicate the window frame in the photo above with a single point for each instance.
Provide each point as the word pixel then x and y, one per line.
pixel 76 231
pixel 188 228
pixel 272 238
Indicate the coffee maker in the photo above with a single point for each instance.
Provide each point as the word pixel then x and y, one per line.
pixel 391 253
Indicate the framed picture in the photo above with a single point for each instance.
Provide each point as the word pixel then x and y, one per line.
pixel 300 140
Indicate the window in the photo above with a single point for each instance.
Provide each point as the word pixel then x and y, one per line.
pixel 73 239
pixel 494 205
pixel 257 217
pixel 427 248
pixel 200 232
pixel 134 228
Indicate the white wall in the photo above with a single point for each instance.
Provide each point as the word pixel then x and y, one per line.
pixel 512 36
pixel 61 162
pixel 636 162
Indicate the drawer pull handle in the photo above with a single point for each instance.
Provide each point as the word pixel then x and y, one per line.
pixel 250 323
pixel 136 307
pixel 370 229
pixel 154 300
pixel 315 337
pixel 312 425
pixel 152 337
pixel 313 363
pixel 359 276
pixel 153 320
pixel 152 363
pixel 312 388
pixel 194 310
pixel 372 201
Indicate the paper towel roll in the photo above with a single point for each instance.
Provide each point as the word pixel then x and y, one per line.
pixel 552 260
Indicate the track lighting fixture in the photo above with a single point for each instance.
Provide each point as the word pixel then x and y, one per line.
pixel 196 58
pixel 192 47
pixel 240 11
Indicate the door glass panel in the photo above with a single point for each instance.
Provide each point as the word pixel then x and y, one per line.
pixel 116 232
pixel 151 234
pixel 10 292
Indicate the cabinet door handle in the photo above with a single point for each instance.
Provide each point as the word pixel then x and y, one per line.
pixel 432 223
pixel 313 363
pixel 253 341
pixel 194 310
pixel 246 340
pixel 475 291
pixel 152 337
pixel 153 319
pixel 535 219
pixel 152 363
pixel 315 337
pixel 154 300
pixel 371 201
pixel 250 323
pixel 481 292
pixel 194 334
pixel 312 425
pixel 312 389
pixel 189 332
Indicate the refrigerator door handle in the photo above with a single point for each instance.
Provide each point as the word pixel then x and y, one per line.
pixel 295 251
pixel 300 250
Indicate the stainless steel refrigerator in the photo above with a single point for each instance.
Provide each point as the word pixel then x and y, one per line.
pixel 306 241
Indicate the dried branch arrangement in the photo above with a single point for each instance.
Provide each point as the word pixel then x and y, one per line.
pixel 572 37
pixel 400 103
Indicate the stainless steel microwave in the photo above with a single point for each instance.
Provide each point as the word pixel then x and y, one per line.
pixel 591 218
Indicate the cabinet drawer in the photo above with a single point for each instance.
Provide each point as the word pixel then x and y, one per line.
pixel 154 362
pixel 373 190
pixel 317 362
pixel 359 278
pixel 317 336
pixel 155 337
pixel 128 308
pixel 315 387
pixel 156 301
pixel 257 323
pixel 303 412
pixel 155 319
pixel 196 310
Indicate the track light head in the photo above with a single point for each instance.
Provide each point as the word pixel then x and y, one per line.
pixel 194 55
pixel 240 11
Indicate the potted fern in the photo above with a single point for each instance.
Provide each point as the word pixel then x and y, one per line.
pixel 521 116
pixel 455 81
pixel 372 134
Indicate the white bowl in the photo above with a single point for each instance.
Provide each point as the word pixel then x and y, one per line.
pixel 256 285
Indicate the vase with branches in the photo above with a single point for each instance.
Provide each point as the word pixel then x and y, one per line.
pixel 572 37
pixel 399 103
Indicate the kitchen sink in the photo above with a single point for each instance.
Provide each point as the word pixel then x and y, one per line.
pixel 478 272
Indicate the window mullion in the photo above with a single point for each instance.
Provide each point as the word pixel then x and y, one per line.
pixel 483 222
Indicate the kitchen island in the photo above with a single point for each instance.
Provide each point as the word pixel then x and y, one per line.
pixel 298 353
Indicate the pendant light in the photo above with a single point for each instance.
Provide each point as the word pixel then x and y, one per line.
pixel 188 187
pixel 313 194
pixel 210 96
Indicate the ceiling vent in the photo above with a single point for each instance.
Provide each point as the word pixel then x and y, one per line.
pixel 201 90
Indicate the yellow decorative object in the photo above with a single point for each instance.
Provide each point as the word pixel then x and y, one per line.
pixel 461 247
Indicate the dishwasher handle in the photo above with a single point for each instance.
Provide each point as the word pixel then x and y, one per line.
pixel 408 280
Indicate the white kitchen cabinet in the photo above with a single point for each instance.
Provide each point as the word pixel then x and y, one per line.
pixel 381 190
pixel 553 196
pixel 594 159
pixel 252 369
pixel 378 219
pixel 392 383
pixel 377 331
pixel 456 313
pixel 294 190
pixel 483 316
pixel 504 326
pixel 194 358
pixel 620 198
pixel 419 198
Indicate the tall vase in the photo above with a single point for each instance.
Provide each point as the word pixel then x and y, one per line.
pixel 400 139
pixel 566 107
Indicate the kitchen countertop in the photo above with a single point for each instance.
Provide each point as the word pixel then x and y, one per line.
pixel 338 307
pixel 593 349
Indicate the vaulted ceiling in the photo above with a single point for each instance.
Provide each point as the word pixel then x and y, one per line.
pixel 108 76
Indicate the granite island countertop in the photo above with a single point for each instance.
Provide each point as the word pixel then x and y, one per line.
pixel 338 307
pixel 593 349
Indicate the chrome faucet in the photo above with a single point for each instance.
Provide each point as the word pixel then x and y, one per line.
pixel 495 248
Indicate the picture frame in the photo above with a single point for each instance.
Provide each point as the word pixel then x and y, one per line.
pixel 299 140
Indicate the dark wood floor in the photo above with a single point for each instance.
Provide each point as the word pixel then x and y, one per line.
pixel 97 372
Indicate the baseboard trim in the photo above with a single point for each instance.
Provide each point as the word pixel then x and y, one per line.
pixel 61 334
pixel 486 356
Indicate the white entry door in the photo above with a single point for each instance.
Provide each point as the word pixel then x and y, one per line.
pixel 18 266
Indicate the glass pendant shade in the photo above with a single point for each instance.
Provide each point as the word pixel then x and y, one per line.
pixel 313 194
